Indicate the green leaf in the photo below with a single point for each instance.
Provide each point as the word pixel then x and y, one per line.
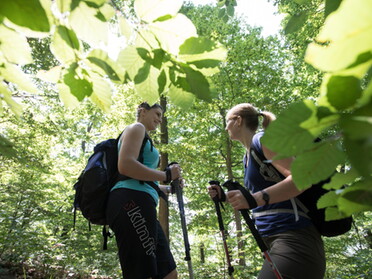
pixel 14 46
pixel 26 13
pixel 331 6
pixel 332 213
pixel 64 5
pixel 285 135
pixel 130 60
pixel 356 198
pixel 88 26
pixel 180 97
pixel 367 94
pixel 97 2
pixel 202 52
pixel 78 82
pixel 7 148
pixel 359 72
pixel 66 96
pixel 146 39
pixel 323 112
pixel 359 152
pixel 301 2
pixel 149 88
pixel 343 91
pixel 158 59
pixel 221 3
pixel 198 84
pixel 346 34
pixel 102 64
pixel 327 200
pixel 230 10
pixel 53 75
pixel 316 164
pixel 356 127
pixel 101 95
pixel 125 28
pixel 222 12
pixel 144 54
pixel 295 23
pixel 107 11
pixel 365 57
pixel 13 74
pixel 143 73
pixel 155 58
pixel 162 81
pixel 64 45
pixel 163 18
pixel 207 71
pixel 172 33
pixel 341 179
pixel 6 95
pixel 150 10
pixel 197 45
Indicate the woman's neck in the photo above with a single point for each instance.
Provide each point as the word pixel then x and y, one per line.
pixel 246 138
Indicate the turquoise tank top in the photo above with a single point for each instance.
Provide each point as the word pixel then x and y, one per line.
pixel 151 160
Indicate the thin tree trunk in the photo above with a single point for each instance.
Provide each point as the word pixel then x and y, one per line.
pixel 202 253
pixel 163 206
pixel 238 222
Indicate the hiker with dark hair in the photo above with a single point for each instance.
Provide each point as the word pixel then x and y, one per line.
pixel 131 210
pixel 295 246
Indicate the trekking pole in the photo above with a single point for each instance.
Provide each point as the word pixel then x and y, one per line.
pixel 261 244
pixel 178 190
pixel 216 201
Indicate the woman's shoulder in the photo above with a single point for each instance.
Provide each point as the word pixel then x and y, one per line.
pixel 135 128
pixel 256 140
pixel 134 131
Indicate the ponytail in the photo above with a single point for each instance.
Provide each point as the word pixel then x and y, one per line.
pixel 268 117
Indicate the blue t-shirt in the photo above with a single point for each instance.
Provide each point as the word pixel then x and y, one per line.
pixel 269 224
pixel 151 160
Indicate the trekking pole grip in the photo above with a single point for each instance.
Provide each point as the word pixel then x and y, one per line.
pixel 221 196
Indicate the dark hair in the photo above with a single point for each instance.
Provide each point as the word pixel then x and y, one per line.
pixel 146 106
pixel 250 115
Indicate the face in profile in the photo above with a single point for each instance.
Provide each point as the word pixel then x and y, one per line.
pixel 152 118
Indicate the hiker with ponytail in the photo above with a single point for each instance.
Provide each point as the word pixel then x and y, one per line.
pixel 295 245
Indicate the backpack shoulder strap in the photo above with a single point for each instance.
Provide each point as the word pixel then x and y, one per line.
pixel 267 170
pixel 144 141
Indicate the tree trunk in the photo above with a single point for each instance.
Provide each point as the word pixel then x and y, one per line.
pixel 202 253
pixel 238 222
pixel 163 206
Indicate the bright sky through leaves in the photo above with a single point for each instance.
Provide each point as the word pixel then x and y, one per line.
pixel 257 13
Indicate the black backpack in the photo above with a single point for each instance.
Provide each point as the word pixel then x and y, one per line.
pixel 96 181
pixel 307 200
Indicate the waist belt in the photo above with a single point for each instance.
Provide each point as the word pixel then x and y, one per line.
pixel 295 202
